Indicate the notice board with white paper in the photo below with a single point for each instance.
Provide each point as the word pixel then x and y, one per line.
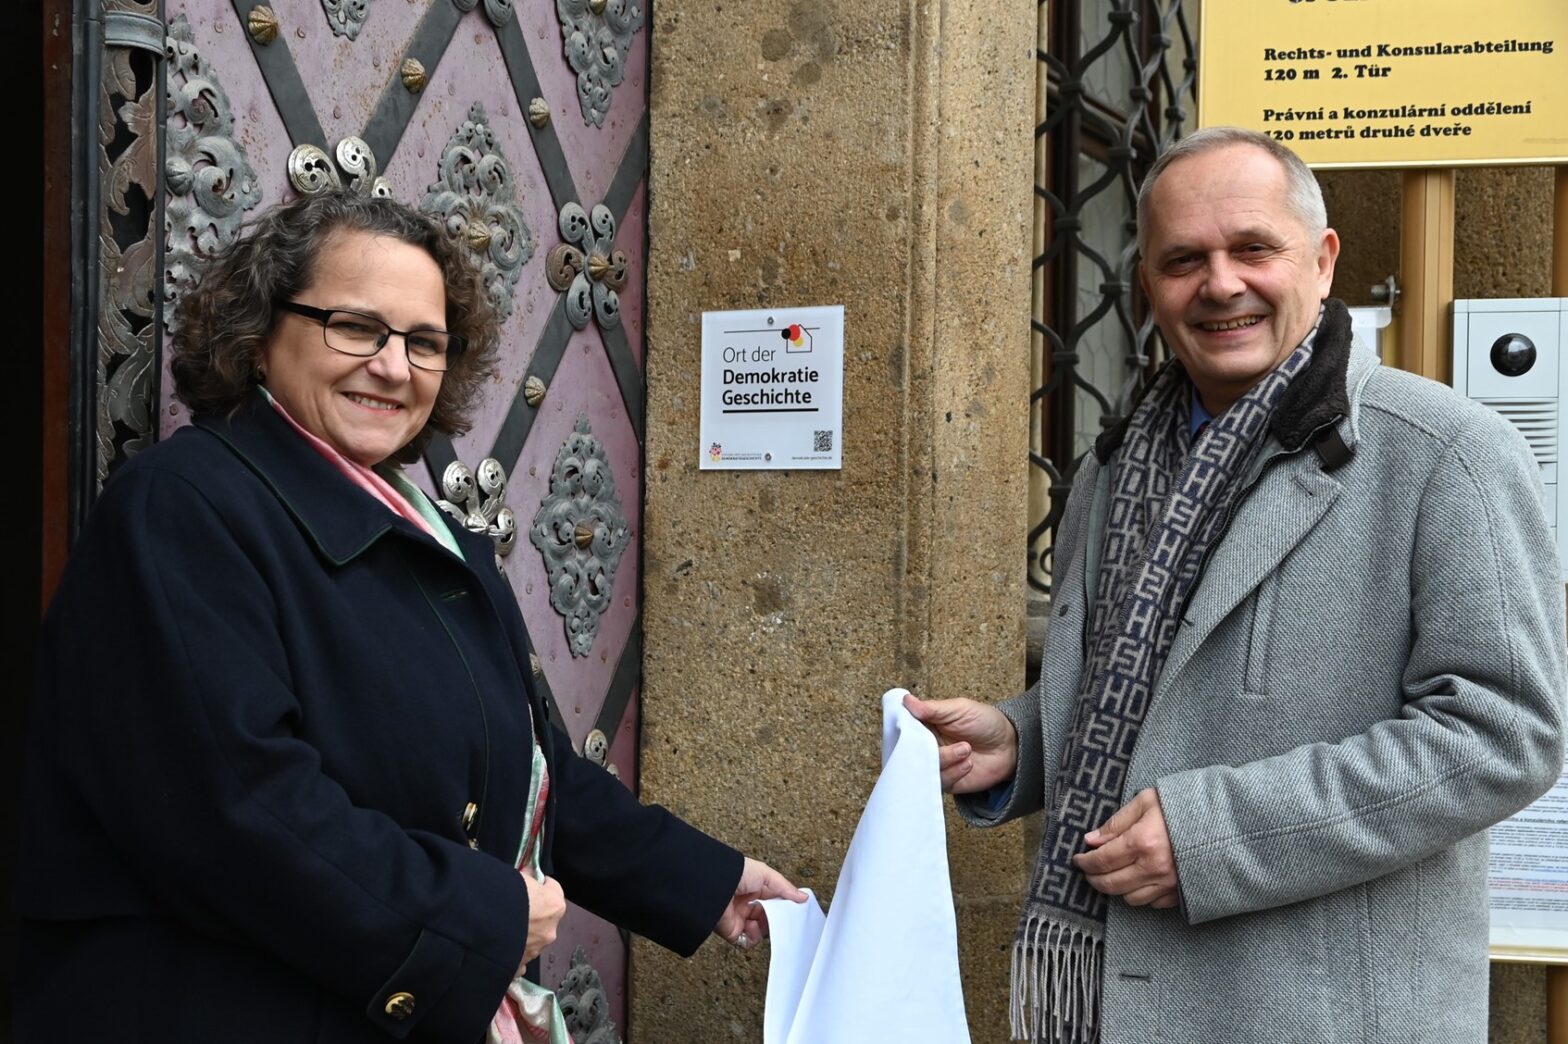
pixel 773 389
pixel 1528 881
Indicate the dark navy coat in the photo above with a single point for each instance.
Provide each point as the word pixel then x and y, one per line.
pixel 264 704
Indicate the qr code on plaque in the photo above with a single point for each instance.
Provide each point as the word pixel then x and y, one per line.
pixel 822 442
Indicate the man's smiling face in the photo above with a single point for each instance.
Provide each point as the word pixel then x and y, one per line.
pixel 1233 275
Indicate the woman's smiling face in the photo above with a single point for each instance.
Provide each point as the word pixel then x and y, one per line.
pixel 365 408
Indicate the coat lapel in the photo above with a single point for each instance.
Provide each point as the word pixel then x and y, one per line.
pixel 1272 520
pixel 342 520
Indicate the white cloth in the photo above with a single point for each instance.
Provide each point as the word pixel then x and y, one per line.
pixel 883 963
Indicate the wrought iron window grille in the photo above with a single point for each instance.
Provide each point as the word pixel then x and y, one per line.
pixel 1116 84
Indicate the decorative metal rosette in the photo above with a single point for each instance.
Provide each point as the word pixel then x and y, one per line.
pixel 499 11
pixel 347 17
pixel 311 170
pixel 597 36
pixel 479 503
pixel 475 198
pixel 209 182
pixel 588 267
pixel 581 533
pixel 585 1006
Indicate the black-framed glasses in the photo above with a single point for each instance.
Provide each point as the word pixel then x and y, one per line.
pixel 354 333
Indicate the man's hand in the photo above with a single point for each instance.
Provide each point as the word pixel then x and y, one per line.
pixel 977 747
pixel 743 921
pixel 1132 855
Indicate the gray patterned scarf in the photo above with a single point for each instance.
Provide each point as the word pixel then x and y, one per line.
pixel 1171 500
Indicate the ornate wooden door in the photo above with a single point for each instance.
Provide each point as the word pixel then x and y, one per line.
pixel 523 126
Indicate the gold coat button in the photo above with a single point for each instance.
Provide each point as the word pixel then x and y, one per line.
pixel 470 817
pixel 400 1005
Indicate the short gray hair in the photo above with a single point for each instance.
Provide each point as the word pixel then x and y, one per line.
pixel 1302 192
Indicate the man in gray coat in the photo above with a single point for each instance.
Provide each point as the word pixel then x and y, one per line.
pixel 1307 643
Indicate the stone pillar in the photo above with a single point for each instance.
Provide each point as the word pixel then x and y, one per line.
pixel 877 155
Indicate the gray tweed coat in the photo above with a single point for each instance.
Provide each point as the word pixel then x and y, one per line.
pixel 1370 672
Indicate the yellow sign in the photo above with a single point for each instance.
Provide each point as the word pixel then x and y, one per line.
pixel 1391 83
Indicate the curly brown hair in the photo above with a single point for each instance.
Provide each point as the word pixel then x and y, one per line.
pixel 224 323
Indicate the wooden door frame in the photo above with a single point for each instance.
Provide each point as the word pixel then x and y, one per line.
pixel 36 403
pixel 58 104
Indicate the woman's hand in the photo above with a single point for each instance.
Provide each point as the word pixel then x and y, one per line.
pixel 546 904
pixel 977 747
pixel 744 922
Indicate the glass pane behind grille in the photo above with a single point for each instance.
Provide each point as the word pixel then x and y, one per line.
pixel 1116 87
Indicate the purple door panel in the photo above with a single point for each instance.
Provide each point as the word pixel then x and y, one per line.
pixel 494 86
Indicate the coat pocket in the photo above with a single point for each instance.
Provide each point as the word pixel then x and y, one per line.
pixel 1272 975
pixel 1263 602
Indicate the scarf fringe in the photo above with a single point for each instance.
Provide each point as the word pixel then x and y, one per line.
pixel 1055 993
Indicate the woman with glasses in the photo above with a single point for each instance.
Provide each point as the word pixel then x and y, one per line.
pixel 290 778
